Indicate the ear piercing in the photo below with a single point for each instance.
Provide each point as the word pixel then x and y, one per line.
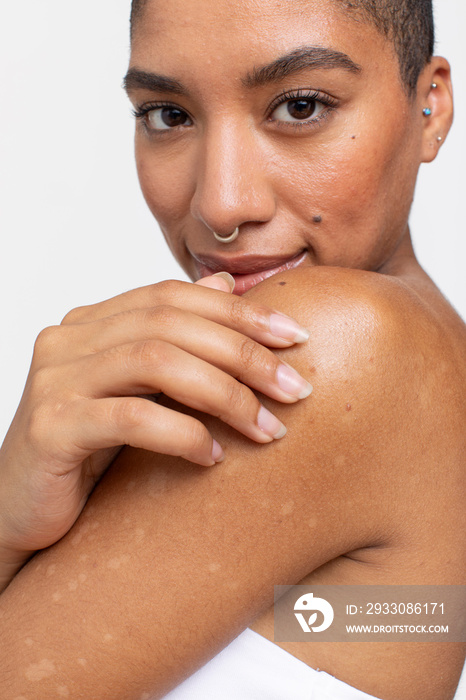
pixel 227 239
pixel 426 111
pixel 439 138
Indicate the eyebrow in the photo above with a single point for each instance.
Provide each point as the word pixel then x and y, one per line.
pixel 314 57
pixel 137 79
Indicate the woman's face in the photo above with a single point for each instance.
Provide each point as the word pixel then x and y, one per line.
pixel 286 118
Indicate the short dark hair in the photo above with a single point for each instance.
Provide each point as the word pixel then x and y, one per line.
pixel 408 24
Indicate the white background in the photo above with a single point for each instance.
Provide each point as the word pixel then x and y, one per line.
pixel 74 227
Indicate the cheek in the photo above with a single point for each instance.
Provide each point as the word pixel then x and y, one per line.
pixel 362 188
pixel 166 183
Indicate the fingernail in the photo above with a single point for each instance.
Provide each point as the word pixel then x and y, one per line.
pixel 287 328
pixel 229 279
pixel 218 454
pixel 269 424
pixel 292 383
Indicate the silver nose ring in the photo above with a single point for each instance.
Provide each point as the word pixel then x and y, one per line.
pixel 227 239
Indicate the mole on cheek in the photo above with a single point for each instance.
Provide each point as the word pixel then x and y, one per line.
pixel 317 219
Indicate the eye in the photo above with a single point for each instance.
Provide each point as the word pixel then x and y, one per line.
pixel 301 108
pixel 162 117
pixel 167 118
pixel 298 110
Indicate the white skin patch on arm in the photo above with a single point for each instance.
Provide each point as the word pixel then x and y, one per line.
pixel 57 596
pixel 82 663
pixel 37 672
pixel 108 638
pixel 214 567
pixel 117 562
pixel 287 508
pixel 63 691
pixel 29 642
pixel 85 527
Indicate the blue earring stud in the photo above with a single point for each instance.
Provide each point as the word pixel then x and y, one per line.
pixel 427 112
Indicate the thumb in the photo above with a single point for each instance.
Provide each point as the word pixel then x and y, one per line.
pixel 222 281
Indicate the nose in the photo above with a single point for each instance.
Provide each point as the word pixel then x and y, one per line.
pixel 232 186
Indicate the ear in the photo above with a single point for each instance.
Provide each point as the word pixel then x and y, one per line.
pixel 439 100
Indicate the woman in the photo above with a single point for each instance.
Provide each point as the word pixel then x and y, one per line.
pixel 279 132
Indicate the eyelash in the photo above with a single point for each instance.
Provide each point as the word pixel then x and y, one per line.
pixel 141 111
pixel 329 102
pixel 312 95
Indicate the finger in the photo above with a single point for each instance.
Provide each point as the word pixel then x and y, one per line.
pixel 259 322
pixel 143 424
pixel 236 354
pixel 154 366
pixel 222 281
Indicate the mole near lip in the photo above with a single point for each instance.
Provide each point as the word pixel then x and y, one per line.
pixel 256 270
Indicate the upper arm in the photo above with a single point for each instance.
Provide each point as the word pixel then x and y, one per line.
pixel 169 561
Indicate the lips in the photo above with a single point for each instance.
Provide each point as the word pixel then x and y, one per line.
pixel 247 271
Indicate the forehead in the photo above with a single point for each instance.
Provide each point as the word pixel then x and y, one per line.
pixel 234 31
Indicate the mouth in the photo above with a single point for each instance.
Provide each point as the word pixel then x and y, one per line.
pixel 247 271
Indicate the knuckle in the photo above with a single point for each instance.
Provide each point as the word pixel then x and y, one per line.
pixel 237 311
pixel 146 355
pixel 76 315
pixel 163 315
pixel 167 289
pixel 236 397
pixel 250 353
pixel 47 341
pixel 128 414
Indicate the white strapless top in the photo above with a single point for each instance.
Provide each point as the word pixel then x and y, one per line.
pixel 253 668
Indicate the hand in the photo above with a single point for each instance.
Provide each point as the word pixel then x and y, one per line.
pixel 84 397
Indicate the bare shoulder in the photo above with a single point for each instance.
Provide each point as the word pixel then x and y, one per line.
pixel 389 374
pixel 363 305
pixel 378 332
